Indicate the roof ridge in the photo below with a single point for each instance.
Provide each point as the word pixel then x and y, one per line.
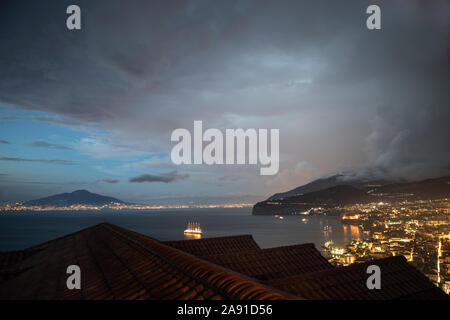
pixel 217 289
pixel 168 261
pixel 211 238
pixel 340 269
pixel 216 245
pixel 40 245
pixel 307 244
pixel 267 250
pixel 349 282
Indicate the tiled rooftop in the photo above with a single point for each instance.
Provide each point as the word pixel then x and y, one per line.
pixel 119 264
pixel 214 246
pixel 12 257
pixel 399 280
pixel 274 263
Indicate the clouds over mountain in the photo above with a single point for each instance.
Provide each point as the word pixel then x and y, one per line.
pixel 168 177
pixel 342 96
pixel 110 180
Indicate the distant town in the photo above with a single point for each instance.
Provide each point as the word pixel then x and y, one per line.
pixel 83 200
pixel 411 219
pixel 115 206
pixel 418 230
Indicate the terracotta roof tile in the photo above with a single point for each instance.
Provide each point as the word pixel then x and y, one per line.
pixel 117 263
pixel 120 264
pixel 274 263
pixel 399 280
pixel 212 246
pixel 8 259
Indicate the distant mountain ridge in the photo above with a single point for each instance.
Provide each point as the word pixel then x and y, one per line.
pixel 422 190
pixel 323 183
pixel 337 195
pixel 341 195
pixel 78 197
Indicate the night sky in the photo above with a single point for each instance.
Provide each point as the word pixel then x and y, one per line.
pixel 94 109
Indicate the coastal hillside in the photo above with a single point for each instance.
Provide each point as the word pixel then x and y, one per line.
pixel 335 196
pixel 328 182
pixel 342 195
pixel 78 197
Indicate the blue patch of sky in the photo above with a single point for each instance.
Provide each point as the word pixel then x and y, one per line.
pixel 21 133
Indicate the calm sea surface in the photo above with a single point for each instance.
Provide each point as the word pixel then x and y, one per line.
pixel 21 230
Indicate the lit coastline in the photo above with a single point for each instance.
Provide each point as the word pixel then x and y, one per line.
pixel 118 206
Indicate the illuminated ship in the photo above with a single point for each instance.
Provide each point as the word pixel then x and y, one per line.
pixel 193 228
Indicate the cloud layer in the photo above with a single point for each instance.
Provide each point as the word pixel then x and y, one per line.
pixel 110 180
pixel 55 161
pixel 168 177
pixel 43 144
pixel 343 97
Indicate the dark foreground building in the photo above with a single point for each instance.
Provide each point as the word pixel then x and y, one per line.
pixel 117 263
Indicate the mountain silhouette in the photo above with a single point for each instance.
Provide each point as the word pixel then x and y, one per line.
pixel 329 182
pixel 78 197
pixel 341 195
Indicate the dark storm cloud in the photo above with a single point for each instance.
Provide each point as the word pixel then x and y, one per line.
pixel 54 120
pixel 4 142
pixel 409 144
pixel 43 144
pixel 310 68
pixel 169 177
pixel 110 180
pixel 55 161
